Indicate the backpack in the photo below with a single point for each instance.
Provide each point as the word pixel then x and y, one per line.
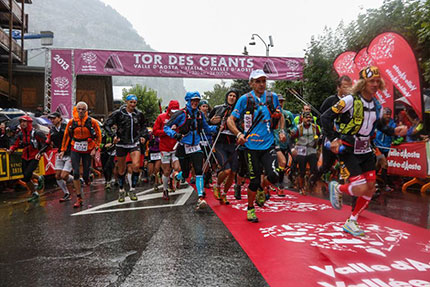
pixel 87 124
pixel 275 114
pixel 185 127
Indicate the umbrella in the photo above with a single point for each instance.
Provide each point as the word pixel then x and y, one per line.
pixel 12 113
pixel 14 123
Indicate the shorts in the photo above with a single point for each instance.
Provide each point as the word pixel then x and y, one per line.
pixel 168 157
pixel 227 156
pixel 123 151
pixel 64 163
pixel 358 164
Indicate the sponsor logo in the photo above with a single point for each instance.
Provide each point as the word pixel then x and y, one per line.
pixel 61 82
pixel 89 57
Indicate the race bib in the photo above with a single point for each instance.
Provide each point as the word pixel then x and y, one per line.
pixel 156 156
pixel 301 150
pixel 191 148
pixel 204 143
pixel 362 146
pixel 81 146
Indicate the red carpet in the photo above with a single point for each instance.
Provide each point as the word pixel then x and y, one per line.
pixel 299 242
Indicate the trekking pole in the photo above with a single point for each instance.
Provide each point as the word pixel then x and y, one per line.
pixel 207 140
pixel 212 149
pixel 295 94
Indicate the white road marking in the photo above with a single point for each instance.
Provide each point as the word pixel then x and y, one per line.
pixel 184 194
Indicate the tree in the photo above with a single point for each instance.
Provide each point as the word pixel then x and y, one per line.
pixel 241 87
pixel 217 96
pixel 147 101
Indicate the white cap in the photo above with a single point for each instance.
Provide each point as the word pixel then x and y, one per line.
pixel 174 111
pixel 257 74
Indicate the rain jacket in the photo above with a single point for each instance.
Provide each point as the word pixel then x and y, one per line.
pixel 224 111
pixel 192 137
pixel 81 133
pixel 31 140
pixel 166 143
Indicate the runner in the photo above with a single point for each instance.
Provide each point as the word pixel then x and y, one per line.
pixel 205 144
pixel 307 134
pixel 32 142
pixel 63 166
pixel 225 147
pixel 131 131
pixel 168 159
pixel 82 136
pixel 363 111
pixel 259 143
pixel 154 159
pixel 185 126
pixel 344 85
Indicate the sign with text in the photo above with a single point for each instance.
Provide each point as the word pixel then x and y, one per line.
pixel 396 59
pixel 409 159
pixel 156 64
pixel 61 82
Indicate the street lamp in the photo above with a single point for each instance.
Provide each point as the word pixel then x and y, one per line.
pixel 266 45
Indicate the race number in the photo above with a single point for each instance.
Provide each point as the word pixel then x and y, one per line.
pixel 191 148
pixel 155 156
pixel 81 146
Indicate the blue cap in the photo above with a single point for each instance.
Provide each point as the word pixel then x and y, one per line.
pixel 131 97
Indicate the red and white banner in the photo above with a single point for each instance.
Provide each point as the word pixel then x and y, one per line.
pixel 385 97
pixel 157 64
pixel 61 82
pixel 396 60
pixel 344 65
pixel 409 159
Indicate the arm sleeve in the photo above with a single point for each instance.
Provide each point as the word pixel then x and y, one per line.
pixel 328 117
pixel 239 107
pixel 207 128
pixel 16 144
pixel 175 120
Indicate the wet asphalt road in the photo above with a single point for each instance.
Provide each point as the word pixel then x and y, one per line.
pixel 41 244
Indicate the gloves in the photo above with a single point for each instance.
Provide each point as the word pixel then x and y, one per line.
pixel 178 136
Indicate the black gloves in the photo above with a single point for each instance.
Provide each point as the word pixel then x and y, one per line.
pixel 178 136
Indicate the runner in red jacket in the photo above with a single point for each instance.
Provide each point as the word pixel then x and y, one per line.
pixel 167 145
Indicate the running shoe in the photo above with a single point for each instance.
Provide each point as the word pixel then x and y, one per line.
pixel 155 187
pixel 121 197
pixel 132 194
pixel 224 199
pixel 34 196
pixel 40 182
pixel 108 186
pixel 260 197
pixel 201 203
pixel 280 192
pixel 335 195
pixel 216 192
pixel 352 227
pixel 78 203
pixel 66 197
pixel 237 191
pixel 166 194
pixel 251 216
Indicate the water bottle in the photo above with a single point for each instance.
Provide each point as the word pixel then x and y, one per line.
pixel 341 148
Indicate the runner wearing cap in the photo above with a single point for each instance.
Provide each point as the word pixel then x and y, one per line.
pixel 32 142
pixel 186 126
pixel 363 116
pixel 82 136
pixel 167 144
pixel 131 132
pixel 260 149
pixel 63 165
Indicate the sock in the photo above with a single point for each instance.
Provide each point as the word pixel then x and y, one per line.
pixel 199 185
pixel 362 203
pixel 165 182
pixel 179 176
pixel 346 188
pixel 62 184
pixel 134 179
pixel 121 179
pixel 129 179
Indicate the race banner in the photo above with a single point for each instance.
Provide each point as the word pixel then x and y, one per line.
pixel 344 65
pixel 11 166
pixel 409 159
pixel 61 82
pixel 157 64
pixel 395 59
pixel 385 97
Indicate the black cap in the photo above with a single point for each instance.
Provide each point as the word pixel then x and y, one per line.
pixel 54 115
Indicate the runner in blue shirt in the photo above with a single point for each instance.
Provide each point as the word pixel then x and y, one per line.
pixel 259 143
pixel 186 126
